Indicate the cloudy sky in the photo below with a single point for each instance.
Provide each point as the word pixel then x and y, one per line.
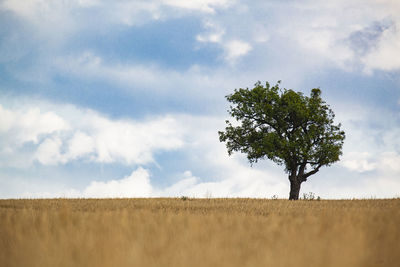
pixel 125 98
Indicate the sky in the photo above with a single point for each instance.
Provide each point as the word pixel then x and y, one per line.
pixel 125 98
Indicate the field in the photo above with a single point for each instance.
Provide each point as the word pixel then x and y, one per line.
pixel 199 232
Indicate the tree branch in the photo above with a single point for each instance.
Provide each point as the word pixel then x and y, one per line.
pixel 302 168
pixel 305 176
pixel 260 122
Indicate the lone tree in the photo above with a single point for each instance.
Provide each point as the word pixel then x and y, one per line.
pixel 286 127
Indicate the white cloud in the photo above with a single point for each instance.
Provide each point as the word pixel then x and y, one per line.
pixel 180 187
pixel 384 161
pixel 390 161
pixel 318 33
pixel 324 43
pixel 260 34
pixel 133 78
pixel 80 145
pixel 88 3
pixel 331 26
pixel 48 152
pixel 133 142
pixel 33 123
pixel 51 21
pixel 201 5
pixel 7 119
pixel 93 137
pixel 27 125
pixel 235 49
pixel 372 141
pixel 242 184
pixel 51 15
pixel 359 161
pixel 386 56
pixel 213 34
pixel 137 184
pixel 89 65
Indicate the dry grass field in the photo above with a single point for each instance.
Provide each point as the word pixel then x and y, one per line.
pixel 199 232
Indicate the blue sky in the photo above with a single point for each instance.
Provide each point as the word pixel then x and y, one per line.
pixel 125 98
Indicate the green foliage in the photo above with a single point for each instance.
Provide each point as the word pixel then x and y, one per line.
pixel 284 126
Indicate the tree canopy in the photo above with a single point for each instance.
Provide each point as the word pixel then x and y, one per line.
pixel 284 126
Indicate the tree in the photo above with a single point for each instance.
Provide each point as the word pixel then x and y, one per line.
pixel 286 127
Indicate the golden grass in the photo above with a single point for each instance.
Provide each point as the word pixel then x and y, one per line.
pixel 200 232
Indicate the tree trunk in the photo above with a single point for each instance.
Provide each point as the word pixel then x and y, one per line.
pixel 294 189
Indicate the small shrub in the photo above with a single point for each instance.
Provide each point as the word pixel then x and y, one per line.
pixel 309 196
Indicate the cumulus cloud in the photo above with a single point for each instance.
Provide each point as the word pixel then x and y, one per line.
pixel 27 125
pixel 350 34
pixel 137 184
pixel 242 184
pixel 236 49
pixel 382 57
pixel 48 152
pixel 80 144
pixel 233 48
pixel 384 161
pixel 372 143
pixel 58 140
pixel 359 161
pixel 201 5
pixel 133 142
pixel 213 33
